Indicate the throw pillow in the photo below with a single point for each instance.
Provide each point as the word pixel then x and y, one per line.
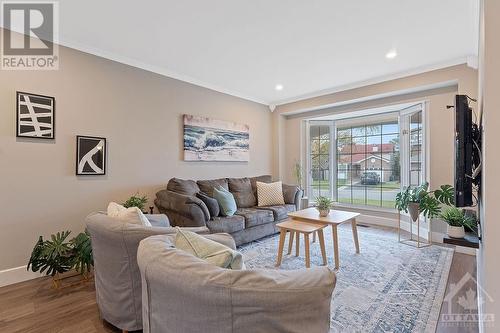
pixel 131 215
pixel 225 200
pixel 270 194
pixel 208 250
pixel 211 203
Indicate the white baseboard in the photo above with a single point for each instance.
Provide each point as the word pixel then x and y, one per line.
pixel 437 237
pixel 15 275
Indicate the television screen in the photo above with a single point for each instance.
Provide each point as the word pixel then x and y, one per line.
pixel 463 152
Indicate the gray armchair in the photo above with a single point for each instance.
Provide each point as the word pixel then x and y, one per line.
pixel 182 293
pixel 116 274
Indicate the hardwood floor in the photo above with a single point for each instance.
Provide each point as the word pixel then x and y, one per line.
pixel 32 306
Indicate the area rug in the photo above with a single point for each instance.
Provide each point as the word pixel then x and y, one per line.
pixel 388 287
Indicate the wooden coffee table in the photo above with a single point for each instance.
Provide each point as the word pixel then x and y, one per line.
pixel 335 218
pixel 296 228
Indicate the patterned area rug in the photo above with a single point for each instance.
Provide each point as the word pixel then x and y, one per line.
pixel 388 287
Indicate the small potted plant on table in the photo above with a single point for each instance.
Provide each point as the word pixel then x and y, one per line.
pixel 323 205
pixel 136 201
pixel 457 220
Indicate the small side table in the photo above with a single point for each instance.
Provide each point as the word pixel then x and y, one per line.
pixel 296 228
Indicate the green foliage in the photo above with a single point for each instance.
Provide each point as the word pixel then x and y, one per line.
pixel 82 248
pixel 136 201
pixel 58 255
pixel 323 203
pixel 297 173
pixel 429 201
pixel 456 217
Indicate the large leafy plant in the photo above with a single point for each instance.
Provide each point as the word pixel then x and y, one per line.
pixel 59 255
pixel 429 202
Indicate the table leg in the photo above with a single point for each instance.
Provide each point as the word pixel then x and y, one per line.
pixel 335 246
pixel 306 241
pixel 297 243
pixel 322 246
pixel 290 241
pixel 280 247
pixel 314 236
pixel 355 234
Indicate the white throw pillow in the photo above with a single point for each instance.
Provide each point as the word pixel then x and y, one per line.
pixel 270 194
pixel 131 215
pixel 211 251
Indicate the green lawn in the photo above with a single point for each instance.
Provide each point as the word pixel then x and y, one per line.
pixel 369 202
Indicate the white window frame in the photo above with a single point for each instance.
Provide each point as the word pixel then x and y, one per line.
pixel 404 160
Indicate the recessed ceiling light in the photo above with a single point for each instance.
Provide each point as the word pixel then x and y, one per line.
pixel 279 87
pixel 391 54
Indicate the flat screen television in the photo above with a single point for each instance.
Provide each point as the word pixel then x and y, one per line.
pixel 464 146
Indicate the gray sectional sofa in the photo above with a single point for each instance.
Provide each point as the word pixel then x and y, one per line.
pixel 181 202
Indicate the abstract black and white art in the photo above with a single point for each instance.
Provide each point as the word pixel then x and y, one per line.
pixel 90 155
pixel 207 139
pixel 35 116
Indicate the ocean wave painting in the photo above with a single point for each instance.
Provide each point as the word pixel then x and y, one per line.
pixel 207 139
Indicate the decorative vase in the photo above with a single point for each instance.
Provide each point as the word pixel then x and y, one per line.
pixel 456 232
pixel 414 210
pixel 324 212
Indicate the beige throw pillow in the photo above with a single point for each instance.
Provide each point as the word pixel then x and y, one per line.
pixel 131 215
pixel 208 250
pixel 270 194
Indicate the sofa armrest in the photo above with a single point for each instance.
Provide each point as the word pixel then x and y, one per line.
pixel 292 195
pixel 193 211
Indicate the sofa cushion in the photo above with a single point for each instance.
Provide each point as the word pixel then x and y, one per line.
pixel 280 212
pixel 182 186
pixel 241 188
pixel 270 194
pixel 211 203
pixel 132 215
pixel 207 186
pixel 226 201
pixel 227 224
pixel 262 179
pixel 211 251
pixel 254 217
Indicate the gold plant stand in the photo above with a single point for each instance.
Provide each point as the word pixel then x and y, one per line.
pixel 71 278
pixel 411 241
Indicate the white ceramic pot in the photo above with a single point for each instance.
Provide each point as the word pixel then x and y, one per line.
pixel 324 212
pixel 456 232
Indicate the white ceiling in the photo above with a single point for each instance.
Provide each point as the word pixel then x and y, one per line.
pixel 246 47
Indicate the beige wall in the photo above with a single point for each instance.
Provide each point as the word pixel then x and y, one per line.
pixel 440 119
pixel 489 82
pixel 140 115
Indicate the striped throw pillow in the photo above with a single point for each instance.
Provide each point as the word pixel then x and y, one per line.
pixel 270 194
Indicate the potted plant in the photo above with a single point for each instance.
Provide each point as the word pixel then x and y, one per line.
pixel 419 200
pixel 457 220
pixel 136 201
pixel 323 205
pixel 60 255
pixel 297 173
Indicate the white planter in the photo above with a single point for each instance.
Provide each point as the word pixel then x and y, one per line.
pixel 323 212
pixel 456 232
